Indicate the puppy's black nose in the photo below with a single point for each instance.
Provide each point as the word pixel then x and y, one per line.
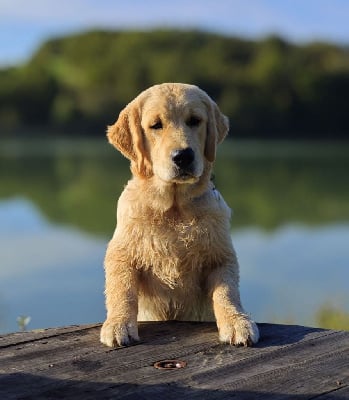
pixel 183 157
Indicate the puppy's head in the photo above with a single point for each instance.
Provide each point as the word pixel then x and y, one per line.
pixel 170 130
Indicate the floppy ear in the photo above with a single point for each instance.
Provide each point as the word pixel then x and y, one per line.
pixel 217 129
pixel 127 136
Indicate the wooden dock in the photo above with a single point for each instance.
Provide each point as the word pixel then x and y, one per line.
pixel 290 362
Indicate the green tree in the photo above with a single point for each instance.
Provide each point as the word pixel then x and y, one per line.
pixel 268 88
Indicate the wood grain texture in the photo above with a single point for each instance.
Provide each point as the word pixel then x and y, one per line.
pixel 290 362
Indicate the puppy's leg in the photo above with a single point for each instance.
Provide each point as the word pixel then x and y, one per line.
pixel 234 325
pixel 120 327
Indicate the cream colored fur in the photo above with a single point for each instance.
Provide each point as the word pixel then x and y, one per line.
pixel 171 256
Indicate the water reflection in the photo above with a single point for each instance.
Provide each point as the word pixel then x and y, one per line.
pixel 52 274
pixel 291 272
pixel 57 212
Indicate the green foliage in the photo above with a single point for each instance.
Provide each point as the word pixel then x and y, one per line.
pixel 22 322
pixel 332 317
pixel 270 88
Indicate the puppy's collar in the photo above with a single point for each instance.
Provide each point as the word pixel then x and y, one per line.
pixel 216 194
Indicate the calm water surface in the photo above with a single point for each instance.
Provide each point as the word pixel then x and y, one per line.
pixel 57 212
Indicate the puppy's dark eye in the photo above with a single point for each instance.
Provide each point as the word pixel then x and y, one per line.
pixel 193 121
pixel 156 125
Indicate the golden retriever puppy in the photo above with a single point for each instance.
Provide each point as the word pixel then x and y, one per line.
pixel 171 256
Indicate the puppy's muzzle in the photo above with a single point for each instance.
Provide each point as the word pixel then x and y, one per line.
pixel 183 159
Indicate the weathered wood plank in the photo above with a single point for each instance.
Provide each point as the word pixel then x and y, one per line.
pixel 290 362
pixel 38 334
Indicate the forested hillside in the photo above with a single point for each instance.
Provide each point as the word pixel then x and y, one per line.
pixel 268 88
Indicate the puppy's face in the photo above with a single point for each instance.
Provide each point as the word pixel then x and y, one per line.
pixel 170 131
pixel 175 129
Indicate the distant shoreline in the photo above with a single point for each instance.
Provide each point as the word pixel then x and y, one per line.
pixel 269 89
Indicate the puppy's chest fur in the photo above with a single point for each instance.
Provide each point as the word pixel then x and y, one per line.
pixel 175 255
pixel 175 248
pixel 172 249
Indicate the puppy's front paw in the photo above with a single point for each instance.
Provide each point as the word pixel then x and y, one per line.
pixel 116 333
pixel 238 330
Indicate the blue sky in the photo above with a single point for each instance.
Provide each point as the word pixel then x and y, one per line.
pixel 24 24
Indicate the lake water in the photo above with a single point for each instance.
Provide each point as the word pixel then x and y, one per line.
pixel 57 212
